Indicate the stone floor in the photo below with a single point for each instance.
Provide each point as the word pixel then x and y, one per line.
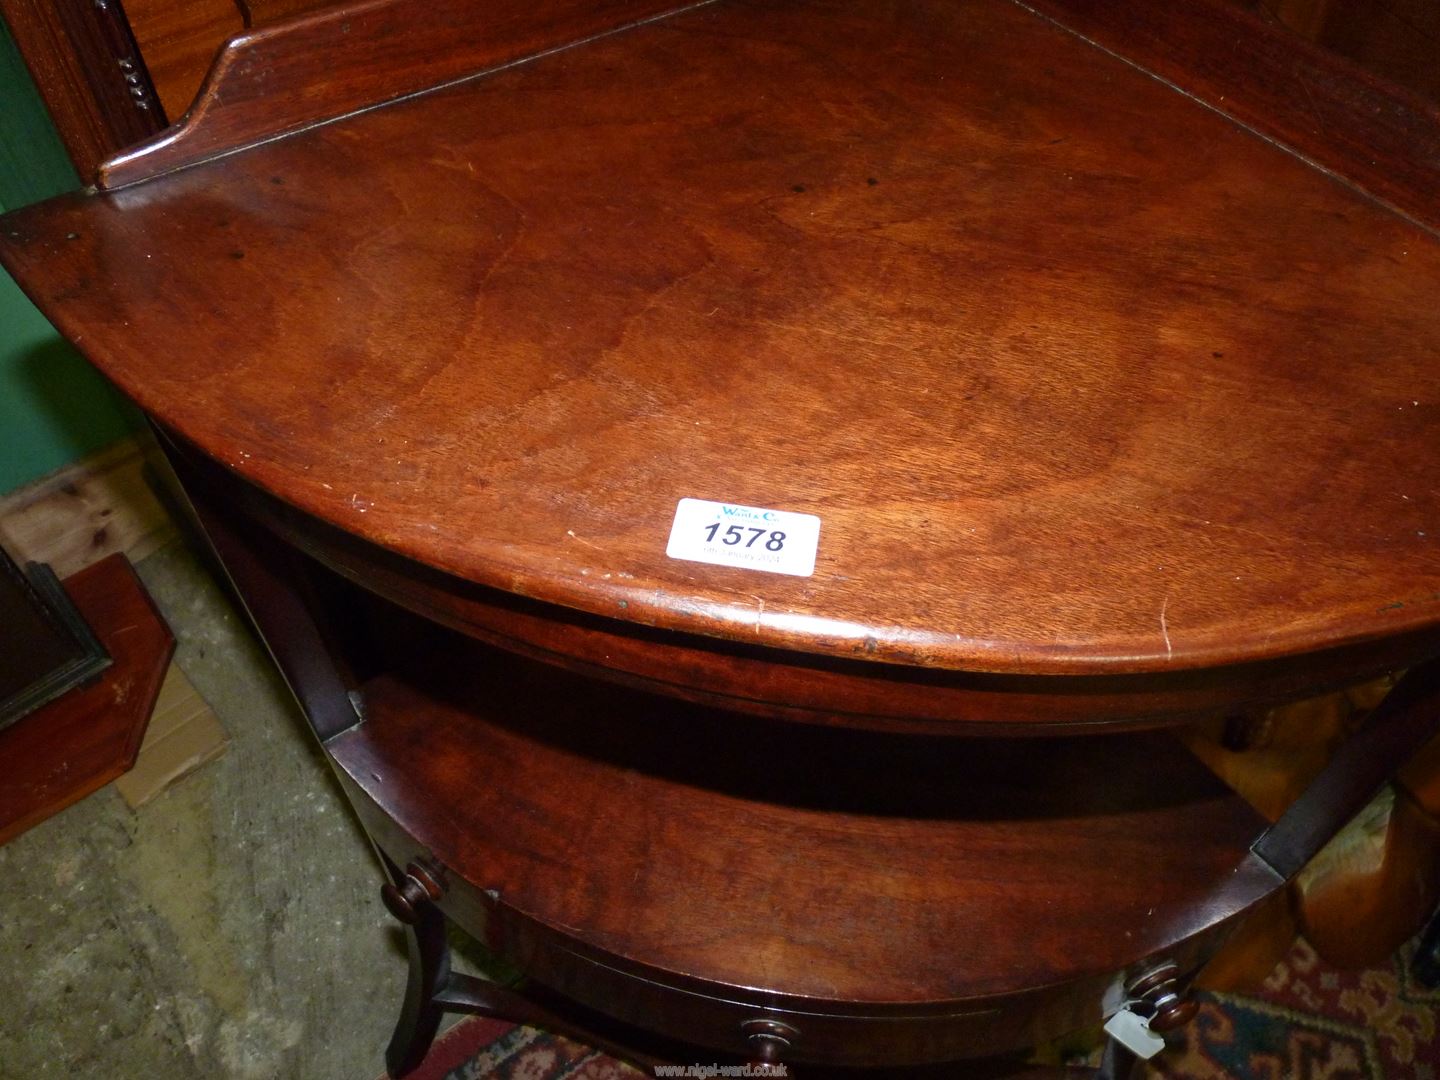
pixel 230 928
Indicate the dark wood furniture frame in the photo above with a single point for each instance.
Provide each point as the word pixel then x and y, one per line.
pixel 48 647
pixel 294 602
pixel 90 74
pixel 77 743
pixel 433 375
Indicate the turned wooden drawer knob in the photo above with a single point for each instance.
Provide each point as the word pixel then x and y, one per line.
pixel 1172 1006
pixel 768 1039
pixel 419 886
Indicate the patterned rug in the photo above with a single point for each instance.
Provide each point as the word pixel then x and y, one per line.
pixel 1309 1022
pixel 1314 1022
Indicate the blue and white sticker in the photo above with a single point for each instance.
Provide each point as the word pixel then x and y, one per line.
pixel 747 537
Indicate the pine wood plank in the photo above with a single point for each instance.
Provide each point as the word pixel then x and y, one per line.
pixel 96 507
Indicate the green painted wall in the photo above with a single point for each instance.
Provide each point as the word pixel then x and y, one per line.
pixel 53 407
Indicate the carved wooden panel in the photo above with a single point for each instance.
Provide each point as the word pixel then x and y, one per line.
pixel 89 73
pixel 179 39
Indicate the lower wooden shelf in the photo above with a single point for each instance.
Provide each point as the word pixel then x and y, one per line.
pixel 895 899
pixel 702 875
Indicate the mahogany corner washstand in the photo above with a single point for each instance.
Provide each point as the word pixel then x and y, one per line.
pixel 1104 355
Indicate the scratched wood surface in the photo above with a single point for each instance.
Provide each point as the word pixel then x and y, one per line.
pixel 781 867
pixel 1080 376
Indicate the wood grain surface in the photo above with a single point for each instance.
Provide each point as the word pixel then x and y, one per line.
pixel 179 39
pixel 751 861
pixel 344 57
pixel 97 506
pixel 74 51
pixel 1080 376
pixel 1378 135
pixel 783 683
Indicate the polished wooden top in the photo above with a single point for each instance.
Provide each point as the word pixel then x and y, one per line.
pixel 1079 375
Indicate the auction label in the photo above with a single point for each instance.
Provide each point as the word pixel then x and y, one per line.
pixel 752 538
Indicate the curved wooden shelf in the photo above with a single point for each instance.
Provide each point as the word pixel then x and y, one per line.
pixel 787 685
pixel 782 869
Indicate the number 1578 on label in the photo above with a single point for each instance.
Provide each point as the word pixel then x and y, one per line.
pixel 748 537
pixel 735 534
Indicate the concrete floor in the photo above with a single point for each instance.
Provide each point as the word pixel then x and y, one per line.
pixel 230 928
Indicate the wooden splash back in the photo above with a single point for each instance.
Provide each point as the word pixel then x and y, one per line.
pixel 342 59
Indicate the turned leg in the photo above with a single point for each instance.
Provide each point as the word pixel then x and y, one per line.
pixel 1427 957
pixel 1118 1062
pixel 429 975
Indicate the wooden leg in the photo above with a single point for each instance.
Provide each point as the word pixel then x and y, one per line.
pixel 429 975
pixel 1118 1063
pixel 1427 957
